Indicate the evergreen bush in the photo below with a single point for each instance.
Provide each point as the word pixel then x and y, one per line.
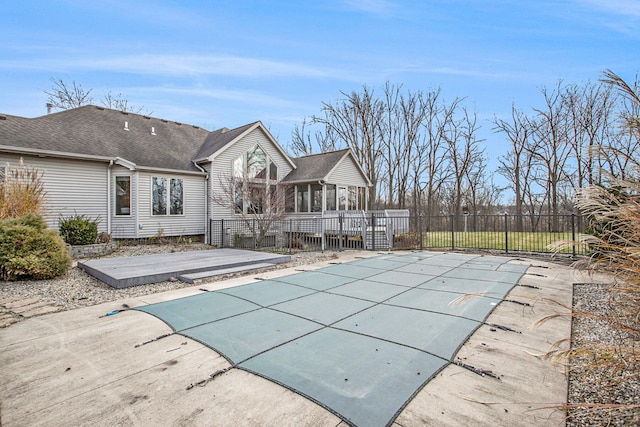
pixel 79 230
pixel 28 250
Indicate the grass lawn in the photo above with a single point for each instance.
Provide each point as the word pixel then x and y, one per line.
pixel 517 241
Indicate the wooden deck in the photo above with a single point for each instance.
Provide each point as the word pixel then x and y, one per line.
pixel 140 270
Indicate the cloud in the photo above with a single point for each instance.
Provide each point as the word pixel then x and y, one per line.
pixel 626 8
pixel 375 7
pixel 179 65
pixel 240 96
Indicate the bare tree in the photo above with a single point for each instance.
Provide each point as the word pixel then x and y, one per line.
pixel 355 122
pixel 302 143
pixel 119 102
pixel 516 165
pixel 433 170
pixel 258 202
pixel 552 147
pixel 465 155
pixel 63 96
pixel 622 153
pixel 589 109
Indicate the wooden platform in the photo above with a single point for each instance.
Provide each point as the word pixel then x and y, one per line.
pixel 140 270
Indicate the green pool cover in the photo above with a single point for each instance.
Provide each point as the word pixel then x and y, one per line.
pixel 360 338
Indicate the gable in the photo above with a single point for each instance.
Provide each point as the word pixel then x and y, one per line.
pixel 222 162
pixel 347 171
pixel 218 142
pixel 333 167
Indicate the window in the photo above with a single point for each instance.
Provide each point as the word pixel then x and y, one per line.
pixel 159 191
pixel 362 198
pixel 316 198
pixel 123 195
pixel 256 196
pixel 167 196
pixel 175 194
pixel 302 198
pixel 331 197
pixel 342 198
pixel 289 201
pixel 353 195
pixel 255 176
pixel 256 163
pixel 238 167
pixel 238 197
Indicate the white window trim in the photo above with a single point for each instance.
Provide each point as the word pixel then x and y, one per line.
pixel 167 213
pixel 115 196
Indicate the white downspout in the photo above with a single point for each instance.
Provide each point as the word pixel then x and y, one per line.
pixel 109 196
pixel 206 202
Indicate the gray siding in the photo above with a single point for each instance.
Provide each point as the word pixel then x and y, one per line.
pixel 71 187
pixel 222 167
pixel 347 173
pixel 192 222
pixel 81 187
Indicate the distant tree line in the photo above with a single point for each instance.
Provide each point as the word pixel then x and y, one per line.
pixel 424 153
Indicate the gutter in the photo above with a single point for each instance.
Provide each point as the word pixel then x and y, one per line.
pixel 109 196
pixel 206 202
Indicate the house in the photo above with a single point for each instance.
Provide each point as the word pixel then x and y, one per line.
pixel 142 176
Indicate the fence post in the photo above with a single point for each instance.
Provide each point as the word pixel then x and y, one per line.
pixel 222 233
pixel 373 232
pixel 573 233
pixel 452 232
pixel 323 241
pixel 290 235
pixel 420 227
pixel 340 218
pixel 506 232
pixel 255 235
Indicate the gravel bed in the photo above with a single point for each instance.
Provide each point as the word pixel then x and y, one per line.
pixel 78 289
pixel 597 385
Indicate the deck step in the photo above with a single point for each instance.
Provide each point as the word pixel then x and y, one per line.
pixel 192 277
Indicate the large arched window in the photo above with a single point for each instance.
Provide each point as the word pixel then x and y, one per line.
pixel 255 176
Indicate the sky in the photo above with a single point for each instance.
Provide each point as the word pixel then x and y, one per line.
pixel 216 63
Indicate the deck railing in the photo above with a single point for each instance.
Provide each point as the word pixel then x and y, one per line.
pixel 388 230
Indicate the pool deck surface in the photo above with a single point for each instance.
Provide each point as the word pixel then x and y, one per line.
pixel 125 272
pixel 80 368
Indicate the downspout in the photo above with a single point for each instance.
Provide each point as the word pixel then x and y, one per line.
pixel 206 202
pixel 109 196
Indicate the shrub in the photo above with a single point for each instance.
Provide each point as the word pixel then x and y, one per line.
pixel 79 230
pixel 29 250
pixel 22 192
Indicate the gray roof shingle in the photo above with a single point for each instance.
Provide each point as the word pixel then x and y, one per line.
pixel 218 139
pixel 315 166
pixel 97 131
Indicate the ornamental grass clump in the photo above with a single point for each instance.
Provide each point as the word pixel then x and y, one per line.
pixel 22 191
pixel 608 360
pixel 607 354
